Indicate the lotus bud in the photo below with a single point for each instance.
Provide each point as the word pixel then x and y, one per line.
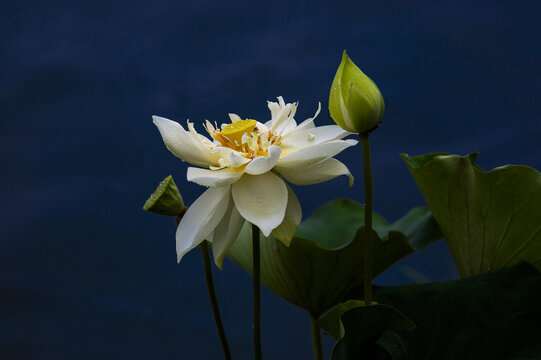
pixel 355 102
pixel 166 200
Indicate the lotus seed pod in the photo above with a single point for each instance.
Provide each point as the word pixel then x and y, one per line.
pixel 166 199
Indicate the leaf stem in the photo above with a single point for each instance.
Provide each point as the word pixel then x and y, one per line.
pixel 257 292
pixel 316 338
pixel 214 300
pixel 367 164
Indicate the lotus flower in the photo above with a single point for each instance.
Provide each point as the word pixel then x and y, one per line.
pixel 244 165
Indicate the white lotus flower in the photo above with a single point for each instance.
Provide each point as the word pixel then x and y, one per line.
pixel 243 166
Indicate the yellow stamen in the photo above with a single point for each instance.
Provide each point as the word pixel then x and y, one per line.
pixel 234 131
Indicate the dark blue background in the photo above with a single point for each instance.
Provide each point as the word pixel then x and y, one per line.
pixel 86 274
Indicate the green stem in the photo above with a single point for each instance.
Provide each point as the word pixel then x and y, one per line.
pixel 367 163
pixel 214 300
pixel 316 338
pixel 257 292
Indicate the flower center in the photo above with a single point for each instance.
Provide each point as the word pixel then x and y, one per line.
pixel 236 130
pixel 246 137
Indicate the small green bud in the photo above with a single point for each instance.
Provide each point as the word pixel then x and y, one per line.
pixel 166 200
pixel 355 102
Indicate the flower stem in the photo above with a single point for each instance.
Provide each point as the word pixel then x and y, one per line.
pixel 367 163
pixel 214 300
pixel 316 339
pixel 257 292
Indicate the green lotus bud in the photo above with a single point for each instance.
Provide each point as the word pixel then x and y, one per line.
pixel 166 200
pixel 355 102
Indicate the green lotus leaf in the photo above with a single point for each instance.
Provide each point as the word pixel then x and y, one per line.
pixel 491 219
pixel 324 260
pixel 362 326
pixel 330 322
pixel 490 316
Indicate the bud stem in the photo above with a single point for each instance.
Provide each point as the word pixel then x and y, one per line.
pixel 316 338
pixel 214 300
pixel 257 292
pixel 367 164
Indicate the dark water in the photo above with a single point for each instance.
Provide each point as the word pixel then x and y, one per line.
pixel 85 274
